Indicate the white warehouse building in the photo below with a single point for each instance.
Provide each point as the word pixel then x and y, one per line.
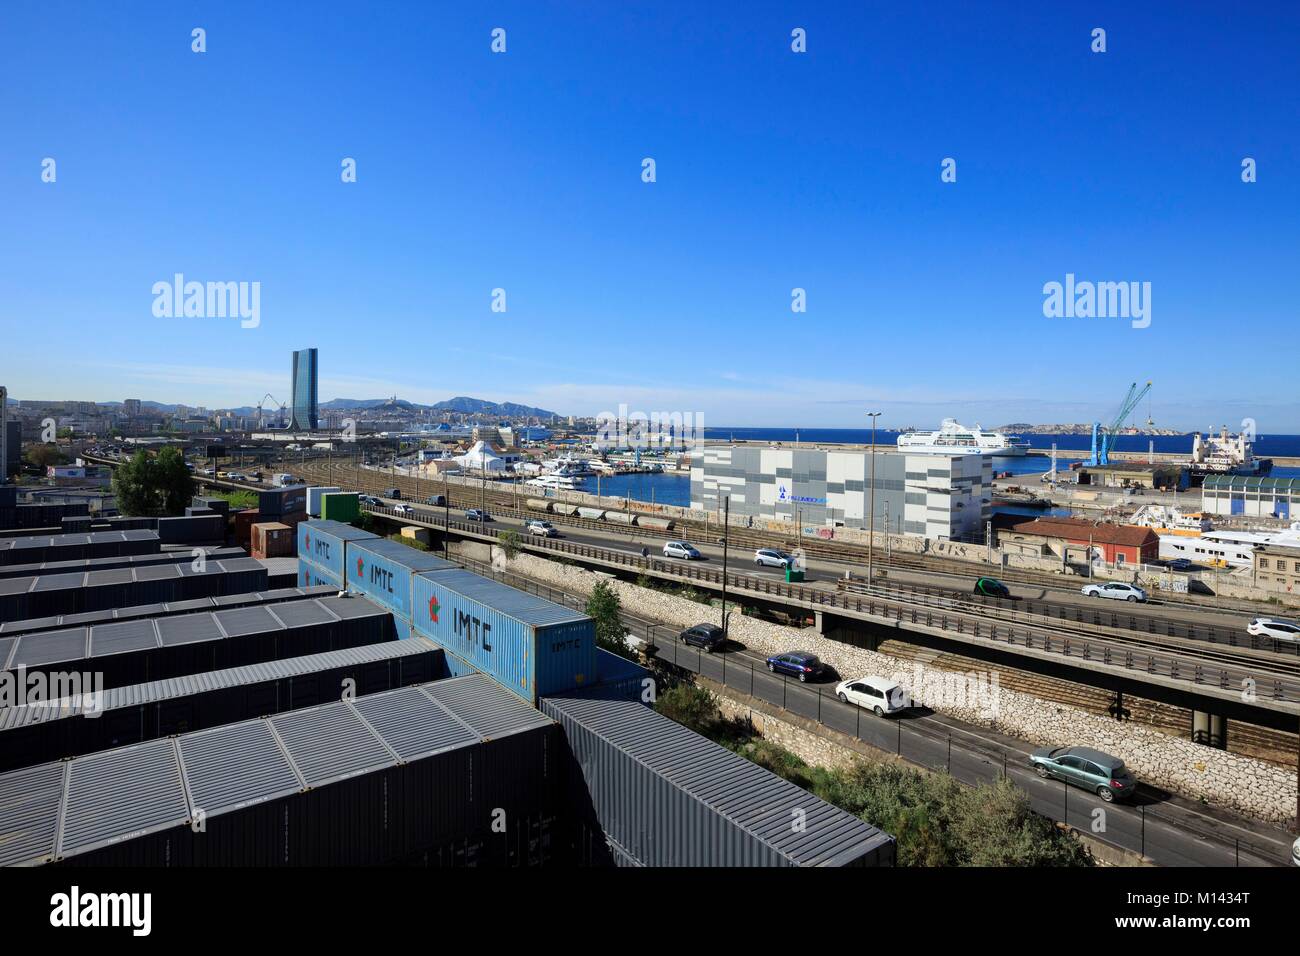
pixel 936 496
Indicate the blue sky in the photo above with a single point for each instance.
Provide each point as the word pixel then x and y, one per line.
pixel 775 170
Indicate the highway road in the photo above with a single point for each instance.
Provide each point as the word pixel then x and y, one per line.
pixel 1166 829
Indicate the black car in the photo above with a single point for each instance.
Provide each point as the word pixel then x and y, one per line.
pixel 394 493
pixel 437 501
pixel 992 587
pixel 707 636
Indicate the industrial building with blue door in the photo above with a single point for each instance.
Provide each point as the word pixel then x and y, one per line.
pixel 391 708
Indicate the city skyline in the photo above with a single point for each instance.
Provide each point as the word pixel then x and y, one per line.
pixel 775 171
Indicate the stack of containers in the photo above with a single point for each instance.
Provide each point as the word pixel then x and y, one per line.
pixel 343 506
pixel 219 505
pixel 531 646
pixel 198 529
pixel 314 496
pixel 271 539
pixel 322 551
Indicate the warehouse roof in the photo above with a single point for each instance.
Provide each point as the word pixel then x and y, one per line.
pixel 1081 529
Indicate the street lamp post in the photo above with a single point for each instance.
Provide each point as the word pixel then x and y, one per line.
pixel 871 520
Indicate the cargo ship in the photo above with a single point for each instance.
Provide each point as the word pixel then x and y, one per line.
pixel 1224 454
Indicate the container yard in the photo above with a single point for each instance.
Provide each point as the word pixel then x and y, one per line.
pixel 164 708
pixel 185 555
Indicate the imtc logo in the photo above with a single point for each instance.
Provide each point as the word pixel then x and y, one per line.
pixel 360 567
pixel 471 629
pixel 434 607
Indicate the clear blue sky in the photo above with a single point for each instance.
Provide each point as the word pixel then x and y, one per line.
pixel 775 170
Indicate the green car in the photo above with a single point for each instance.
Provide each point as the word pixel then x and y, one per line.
pixel 1104 775
pixel 992 587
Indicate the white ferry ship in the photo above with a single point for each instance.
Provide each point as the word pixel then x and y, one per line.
pixel 557 482
pixel 953 438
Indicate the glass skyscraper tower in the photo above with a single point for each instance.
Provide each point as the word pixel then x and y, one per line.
pixel 304 391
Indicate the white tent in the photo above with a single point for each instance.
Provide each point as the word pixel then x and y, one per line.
pixel 482 458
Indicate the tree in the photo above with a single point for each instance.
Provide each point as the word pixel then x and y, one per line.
pixel 153 484
pixel 43 456
pixel 509 541
pixel 603 607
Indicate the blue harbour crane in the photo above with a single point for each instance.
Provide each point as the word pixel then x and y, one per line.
pixel 1103 435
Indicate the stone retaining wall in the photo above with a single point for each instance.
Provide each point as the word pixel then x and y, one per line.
pixel 1251 787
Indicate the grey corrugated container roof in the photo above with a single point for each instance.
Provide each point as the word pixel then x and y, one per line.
pixel 173 687
pixel 749 797
pixel 490 714
pixel 120 794
pixel 512 602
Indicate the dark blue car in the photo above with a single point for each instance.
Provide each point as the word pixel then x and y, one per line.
pixel 800 664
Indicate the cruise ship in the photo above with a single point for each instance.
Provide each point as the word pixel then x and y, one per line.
pixel 953 438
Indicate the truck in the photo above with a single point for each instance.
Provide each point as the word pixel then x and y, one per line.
pixel 282 480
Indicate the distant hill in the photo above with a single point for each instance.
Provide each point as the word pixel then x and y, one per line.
pixel 463 404
pixel 477 406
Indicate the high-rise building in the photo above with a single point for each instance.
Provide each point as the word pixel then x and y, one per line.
pixel 131 408
pixel 304 391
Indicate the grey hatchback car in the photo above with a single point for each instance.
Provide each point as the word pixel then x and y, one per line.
pixel 1084 767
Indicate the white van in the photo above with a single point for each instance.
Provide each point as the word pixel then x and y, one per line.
pixel 878 694
pixel 283 480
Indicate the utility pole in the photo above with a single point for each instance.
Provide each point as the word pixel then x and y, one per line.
pixel 726 535
pixel 871 521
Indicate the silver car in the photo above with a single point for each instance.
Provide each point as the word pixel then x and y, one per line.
pixel 681 549
pixel 772 558
pixel 1116 591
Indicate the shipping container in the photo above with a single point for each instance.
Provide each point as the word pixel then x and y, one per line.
pixel 271 539
pixel 274 502
pixel 244 521
pixel 33 549
pixel 21 517
pixel 107 564
pixel 166 609
pixel 219 505
pixel 193 512
pixel 123 523
pixel 201 529
pixel 323 544
pixel 127 715
pixel 79 525
pixel 49 594
pixel 344 507
pixel 157 648
pixel 669 797
pixel 310 576
pixel 314 494
pixel 382 570
pixel 280 572
pixel 532 646
pixel 395 777
pixel 8 493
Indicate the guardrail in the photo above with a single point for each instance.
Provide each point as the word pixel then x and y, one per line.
pixel 1129 654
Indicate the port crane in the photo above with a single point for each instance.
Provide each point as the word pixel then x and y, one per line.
pixel 1103 435
pixel 260 420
